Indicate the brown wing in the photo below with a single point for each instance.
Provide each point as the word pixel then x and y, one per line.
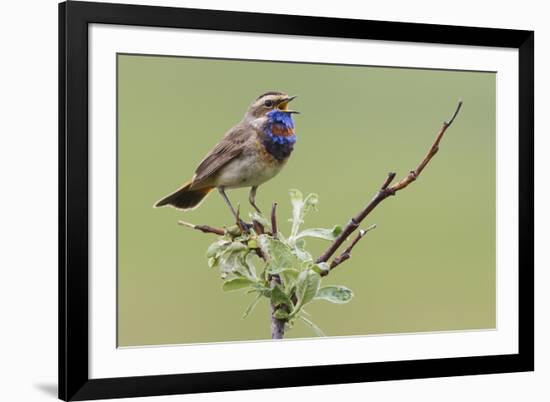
pixel 226 150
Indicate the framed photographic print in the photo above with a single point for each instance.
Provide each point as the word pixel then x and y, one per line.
pixel 257 200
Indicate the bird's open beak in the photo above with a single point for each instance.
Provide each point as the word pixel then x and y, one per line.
pixel 283 105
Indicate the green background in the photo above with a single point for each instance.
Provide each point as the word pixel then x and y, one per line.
pixel 430 264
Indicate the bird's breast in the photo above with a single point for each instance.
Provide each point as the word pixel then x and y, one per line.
pixel 252 168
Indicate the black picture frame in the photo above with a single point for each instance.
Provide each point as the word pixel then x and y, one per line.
pixel 74 380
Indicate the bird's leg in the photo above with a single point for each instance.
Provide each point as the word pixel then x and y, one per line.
pixel 252 198
pixel 226 199
pixel 239 221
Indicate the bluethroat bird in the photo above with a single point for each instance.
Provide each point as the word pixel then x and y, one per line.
pixel 249 154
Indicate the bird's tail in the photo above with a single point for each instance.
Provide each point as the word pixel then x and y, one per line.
pixel 185 198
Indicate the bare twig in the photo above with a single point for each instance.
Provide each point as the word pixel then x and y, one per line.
pixel 386 190
pixel 277 325
pixel 258 227
pixel 346 254
pixel 274 229
pixel 388 180
pixel 203 228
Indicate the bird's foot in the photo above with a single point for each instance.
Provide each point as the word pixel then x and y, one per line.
pixel 256 208
pixel 244 226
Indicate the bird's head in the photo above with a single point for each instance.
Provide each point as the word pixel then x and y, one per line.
pixel 269 102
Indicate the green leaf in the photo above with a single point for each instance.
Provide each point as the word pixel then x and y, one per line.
pixel 306 265
pixel 310 203
pixel 233 231
pixel 236 284
pixel 296 198
pixel 300 251
pixel 321 268
pixel 264 291
pixel 307 286
pixel 303 255
pixel 232 260
pixel 335 294
pixel 320 233
pixel 215 250
pixel 297 201
pixel 300 207
pixel 278 297
pixel 249 262
pixel 235 247
pixel 279 255
pixel 252 305
pixel 306 289
pixel 217 247
pixel 289 277
pixel 241 268
pixel 312 325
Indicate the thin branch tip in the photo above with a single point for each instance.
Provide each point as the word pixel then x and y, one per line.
pixel 457 110
pixel 186 224
pixel 385 191
pixel 203 228
pixel 274 229
pixel 389 179
pixel 346 254
pixel 363 232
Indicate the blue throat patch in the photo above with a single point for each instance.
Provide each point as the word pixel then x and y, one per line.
pixel 282 121
pixel 279 135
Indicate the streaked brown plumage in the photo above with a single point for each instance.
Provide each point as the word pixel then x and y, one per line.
pixel 249 154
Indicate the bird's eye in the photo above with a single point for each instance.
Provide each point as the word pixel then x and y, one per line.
pixel 268 103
